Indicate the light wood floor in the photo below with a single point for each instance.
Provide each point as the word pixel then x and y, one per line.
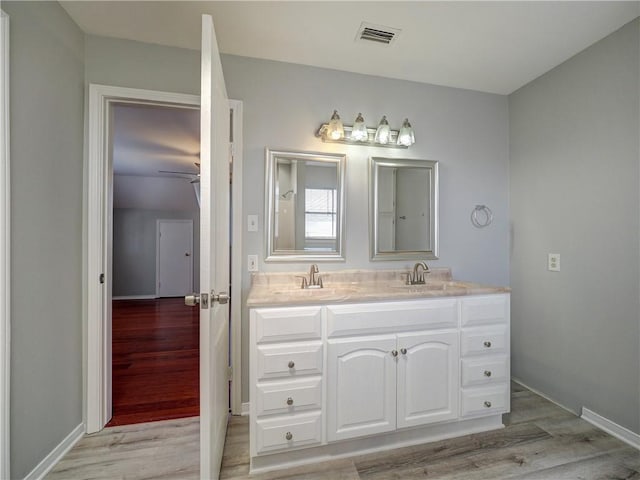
pixel 540 441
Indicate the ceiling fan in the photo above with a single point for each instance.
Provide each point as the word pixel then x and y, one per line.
pixel 197 175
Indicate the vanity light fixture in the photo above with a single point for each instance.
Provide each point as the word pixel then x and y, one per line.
pixel 360 134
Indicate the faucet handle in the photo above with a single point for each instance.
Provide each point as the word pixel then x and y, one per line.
pixel 319 281
pixel 304 284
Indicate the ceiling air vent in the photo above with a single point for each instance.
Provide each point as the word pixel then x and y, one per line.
pixel 377 33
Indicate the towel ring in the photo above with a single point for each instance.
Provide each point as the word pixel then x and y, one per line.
pixel 481 216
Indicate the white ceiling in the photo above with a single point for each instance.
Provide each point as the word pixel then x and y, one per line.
pixel 489 46
pixel 147 139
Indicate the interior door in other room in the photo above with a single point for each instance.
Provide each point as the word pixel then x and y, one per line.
pixel 175 258
pixel 215 151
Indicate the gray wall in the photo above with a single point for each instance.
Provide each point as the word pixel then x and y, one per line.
pixel 47 73
pixel 574 136
pixel 466 131
pixel 134 249
pixel 123 63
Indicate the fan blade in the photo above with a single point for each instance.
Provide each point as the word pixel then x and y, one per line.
pixel 182 173
pixel 196 180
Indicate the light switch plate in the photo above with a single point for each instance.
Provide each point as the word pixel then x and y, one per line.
pixel 252 223
pixel 553 264
pixel 252 263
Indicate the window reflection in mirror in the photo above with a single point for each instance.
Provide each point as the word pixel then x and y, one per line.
pixel 304 206
pixel 404 200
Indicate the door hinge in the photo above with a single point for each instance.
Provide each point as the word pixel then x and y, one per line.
pixel 229 373
pixel 101 278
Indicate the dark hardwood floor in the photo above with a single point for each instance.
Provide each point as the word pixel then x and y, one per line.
pixel 155 360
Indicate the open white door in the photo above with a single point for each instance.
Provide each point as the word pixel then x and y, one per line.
pixel 214 256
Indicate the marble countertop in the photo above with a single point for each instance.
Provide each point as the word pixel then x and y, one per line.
pixel 350 286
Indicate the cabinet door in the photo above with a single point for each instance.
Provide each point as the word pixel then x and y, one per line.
pixel 427 378
pixel 361 387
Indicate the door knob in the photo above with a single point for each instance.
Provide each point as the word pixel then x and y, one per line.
pixel 192 300
pixel 187 254
pixel 221 297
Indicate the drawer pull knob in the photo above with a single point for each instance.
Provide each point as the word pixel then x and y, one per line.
pixel 487 404
pixel 403 351
pixel 289 401
pixel 288 436
pixel 487 344
pixel 291 364
pixel 487 373
pixel 394 353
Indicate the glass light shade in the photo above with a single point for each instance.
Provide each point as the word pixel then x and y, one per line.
pixel 359 131
pixel 406 136
pixel 335 129
pixel 383 133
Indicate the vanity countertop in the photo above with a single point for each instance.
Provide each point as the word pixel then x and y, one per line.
pixel 349 286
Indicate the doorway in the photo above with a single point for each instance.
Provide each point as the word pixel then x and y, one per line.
pixel 154 153
pixel 102 99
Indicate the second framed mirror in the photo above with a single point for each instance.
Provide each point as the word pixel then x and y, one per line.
pixel 403 212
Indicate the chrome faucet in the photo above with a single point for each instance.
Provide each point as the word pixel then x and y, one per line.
pixel 417 277
pixel 313 281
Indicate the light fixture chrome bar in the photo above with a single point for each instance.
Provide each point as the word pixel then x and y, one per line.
pixel 393 138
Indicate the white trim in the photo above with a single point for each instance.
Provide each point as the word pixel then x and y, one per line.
pixel 612 428
pixel 56 454
pixel 160 221
pixel 246 408
pixel 543 395
pixel 96 228
pixel 5 251
pixel 236 261
pixel 135 297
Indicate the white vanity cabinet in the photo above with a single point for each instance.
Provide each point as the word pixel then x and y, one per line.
pixel 336 379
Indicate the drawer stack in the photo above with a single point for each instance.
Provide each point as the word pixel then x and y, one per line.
pixel 484 349
pixel 286 379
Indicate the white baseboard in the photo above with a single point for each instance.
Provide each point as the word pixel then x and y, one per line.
pixel 135 297
pixel 56 454
pixel 612 428
pixel 245 409
pixel 544 395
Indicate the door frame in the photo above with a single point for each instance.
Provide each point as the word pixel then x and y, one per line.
pixel 97 194
pixel 5 252
pixel 160 221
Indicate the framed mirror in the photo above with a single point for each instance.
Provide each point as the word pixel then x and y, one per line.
pixel 304 206
pixel 403 212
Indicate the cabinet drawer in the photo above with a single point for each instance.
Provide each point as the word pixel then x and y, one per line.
pixel 288 432
pixel 485 310
pixel 289 360
pixel 287 324
pixel 485 401
pixel 289 397
pixel 391 317
pixel 484 370
pixel 480 341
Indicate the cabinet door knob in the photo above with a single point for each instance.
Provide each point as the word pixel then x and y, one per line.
pixel 487 344
pixel 289 401
pixel 403 351
pixel 394 353
pixel 291 364
pixel 487 373
pixel 487 404
pixel 288 436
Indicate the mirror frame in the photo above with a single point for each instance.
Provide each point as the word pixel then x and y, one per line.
pixel 376 255
pixel 273 255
